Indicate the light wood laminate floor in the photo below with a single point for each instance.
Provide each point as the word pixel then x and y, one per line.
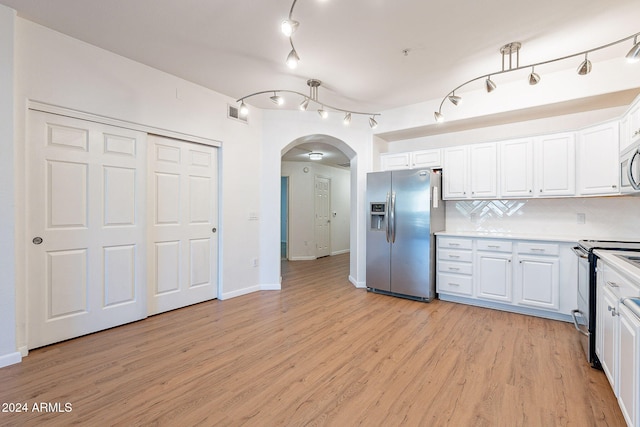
pixel 319 352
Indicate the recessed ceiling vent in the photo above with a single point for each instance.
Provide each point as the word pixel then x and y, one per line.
pixel 234 113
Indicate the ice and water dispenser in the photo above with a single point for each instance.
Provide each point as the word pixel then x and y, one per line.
pixel 378 216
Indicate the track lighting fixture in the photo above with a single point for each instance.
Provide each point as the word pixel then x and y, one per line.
pixel 634 54
pixel 490 85
pixel 534 78
pixel 277 99
pixel 585 66
pixel 323 111
pixel 455 100
pixel 289 26
pixel 510 50
pixel 292 59
pixel 244 110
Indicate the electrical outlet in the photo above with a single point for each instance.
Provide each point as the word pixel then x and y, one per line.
pixel 254 262
pixel 581 218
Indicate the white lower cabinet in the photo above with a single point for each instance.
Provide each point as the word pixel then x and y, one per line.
pixel 539 281
pixel 629 364
pixel 618 340
pixel 530 277
pixel 493 270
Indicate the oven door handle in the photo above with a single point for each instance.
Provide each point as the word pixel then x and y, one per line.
pixel 578 251
pixel 574 315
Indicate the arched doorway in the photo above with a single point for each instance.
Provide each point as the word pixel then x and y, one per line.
pixel 315 217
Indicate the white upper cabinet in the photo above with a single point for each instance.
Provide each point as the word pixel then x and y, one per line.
pixel 630 126
pixel 426 159
pixel 410 160
pixel 483 159
pixel 516 168
pixel 598 167
pixel 389 162
pixel 555 165
pixel 455 173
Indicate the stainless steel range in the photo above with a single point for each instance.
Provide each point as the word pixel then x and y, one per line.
pixel 584 317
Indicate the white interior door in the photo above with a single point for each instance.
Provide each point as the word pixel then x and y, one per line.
pixel 322 216
pixel 183 218
pixel 86 217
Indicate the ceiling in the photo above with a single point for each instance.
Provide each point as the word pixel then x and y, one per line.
pixel 371 55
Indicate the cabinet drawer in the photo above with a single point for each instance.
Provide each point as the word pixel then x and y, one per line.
pixel 454 243
pixel 494 245
pixel 453 255
pixel 455 267
pixel 538 248
pixel 451 283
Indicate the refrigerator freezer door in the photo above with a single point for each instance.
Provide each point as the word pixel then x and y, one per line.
pixel 411 251
pixel 378 245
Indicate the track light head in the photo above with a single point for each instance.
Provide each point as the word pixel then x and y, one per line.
pixel 323 113
pixel 534 78
pixel 438 116
pixel 347 119
pixel 490 85
pixel 455 100
pixel 585 66
pixel 372 122
pixel 304 104
pixel 292 59
pixel 634 54
pixel 289 26
pixel 276 99
pixel 244 110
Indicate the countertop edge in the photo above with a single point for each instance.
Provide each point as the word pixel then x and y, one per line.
pixel 512 236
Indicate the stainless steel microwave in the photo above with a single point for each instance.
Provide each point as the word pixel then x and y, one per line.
pixel 630 169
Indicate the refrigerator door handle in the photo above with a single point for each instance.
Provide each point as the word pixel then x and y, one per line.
pixel 393 217
pixel 386 215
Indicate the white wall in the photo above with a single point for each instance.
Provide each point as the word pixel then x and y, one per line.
pixel 301 208
pixel 8 353
pixel 59 70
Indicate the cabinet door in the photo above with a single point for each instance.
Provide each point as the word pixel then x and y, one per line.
pixel 426 159
pixel 484 182
pixel 634 124
pixel 493 276
pixel 598 159
pixel 555 169
pixel 607 334
pixel 516 168
pixel 389 162
pixel 539 281
pixel 629 361
pixel 454 173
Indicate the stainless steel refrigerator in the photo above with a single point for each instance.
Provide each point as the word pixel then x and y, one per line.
pixel 404 209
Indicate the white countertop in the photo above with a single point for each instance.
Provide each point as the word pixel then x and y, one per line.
pixel 628 269
pixel 513 236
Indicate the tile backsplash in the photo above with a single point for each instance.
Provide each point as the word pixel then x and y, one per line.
pixel 594 217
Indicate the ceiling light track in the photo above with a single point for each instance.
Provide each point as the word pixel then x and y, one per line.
pixel 514 48
pixel 288 27
pixel 313 84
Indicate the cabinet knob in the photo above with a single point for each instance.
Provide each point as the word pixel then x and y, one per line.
pixel 614 186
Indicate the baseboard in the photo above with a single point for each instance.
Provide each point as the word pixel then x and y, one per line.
pixel 271 287
pixel 24 351
pixel 10 359
pixel 359 285
pixel 344 251
pixel 239 292
pixel 302 258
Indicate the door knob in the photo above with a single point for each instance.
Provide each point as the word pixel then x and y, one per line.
pixel 37 240
pixel 213 230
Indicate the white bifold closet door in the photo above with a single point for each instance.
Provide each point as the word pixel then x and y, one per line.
pixel 86 222
pixel 183 221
